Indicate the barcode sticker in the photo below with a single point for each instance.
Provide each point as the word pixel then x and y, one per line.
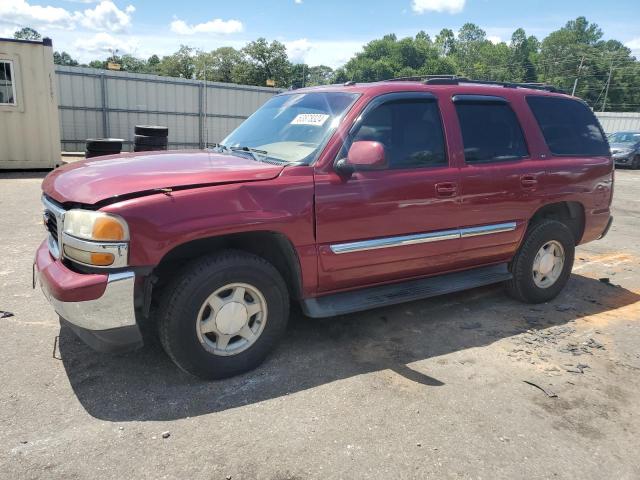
pixel 315 119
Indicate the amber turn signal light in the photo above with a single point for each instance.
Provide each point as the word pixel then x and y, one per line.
pixel 107 229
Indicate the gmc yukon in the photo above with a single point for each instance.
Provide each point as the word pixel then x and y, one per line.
pixel 341 198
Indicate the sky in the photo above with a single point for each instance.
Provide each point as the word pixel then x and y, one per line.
pixel 315 31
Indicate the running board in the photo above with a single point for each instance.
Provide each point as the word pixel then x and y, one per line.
pixel 382 296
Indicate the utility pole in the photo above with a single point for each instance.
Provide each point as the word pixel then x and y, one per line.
pixel 575 83
pixel 606 92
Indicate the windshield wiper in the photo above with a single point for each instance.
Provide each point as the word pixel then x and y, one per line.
pixel 218 145
pixel 252 151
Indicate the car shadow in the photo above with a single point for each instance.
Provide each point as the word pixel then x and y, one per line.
pixel 145 385
pixel 27 174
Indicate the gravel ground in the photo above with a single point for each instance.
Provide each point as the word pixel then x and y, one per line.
pixel 430 389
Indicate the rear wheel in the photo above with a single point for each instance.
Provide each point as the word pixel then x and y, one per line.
pixel 542 266
pixel 223 315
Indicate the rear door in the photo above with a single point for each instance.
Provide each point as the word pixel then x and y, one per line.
pixel 386 225
pixel 499 181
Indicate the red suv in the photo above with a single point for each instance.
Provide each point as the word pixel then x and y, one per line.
pixel 341 198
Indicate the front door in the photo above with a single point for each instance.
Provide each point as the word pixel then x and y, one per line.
pixel 384 225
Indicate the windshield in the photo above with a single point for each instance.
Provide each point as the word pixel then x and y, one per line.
pixel 292 127
pixel 624 137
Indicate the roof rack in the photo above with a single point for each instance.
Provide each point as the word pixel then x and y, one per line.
pixel 456 80
pixel 421 78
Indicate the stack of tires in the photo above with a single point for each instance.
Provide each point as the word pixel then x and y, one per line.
pixel 97 147
pixel 150 138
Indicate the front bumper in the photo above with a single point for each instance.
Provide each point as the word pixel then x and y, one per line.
pixel 98 307
pixel 623 159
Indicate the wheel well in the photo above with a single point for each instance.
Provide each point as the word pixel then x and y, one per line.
pixel 273 247
pixel 569 213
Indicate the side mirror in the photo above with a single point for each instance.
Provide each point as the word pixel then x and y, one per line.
pixel 363 155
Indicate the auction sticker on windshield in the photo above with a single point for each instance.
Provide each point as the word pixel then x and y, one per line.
pixel 315 119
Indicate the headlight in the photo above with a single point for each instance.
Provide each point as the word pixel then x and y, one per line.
pixel 96 226
pixel 95 238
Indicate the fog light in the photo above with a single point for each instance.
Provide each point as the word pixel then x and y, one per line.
pixel 89 258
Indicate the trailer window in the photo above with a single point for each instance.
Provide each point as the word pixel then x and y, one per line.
pixel 7 85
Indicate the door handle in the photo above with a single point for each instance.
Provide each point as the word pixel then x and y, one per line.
pixel 528 181
pixel 446 189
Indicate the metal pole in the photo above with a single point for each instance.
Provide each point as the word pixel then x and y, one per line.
pixel 105 115
pixel 575 83
pixel 201 88
pixel 606 92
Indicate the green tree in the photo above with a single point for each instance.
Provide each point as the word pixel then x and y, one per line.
pixel 180 64
pixel 217 65
pixel 264 61
pixel 63 58
pixel 153 63
pixel 389 57
pixel 523 49
pixel 27 33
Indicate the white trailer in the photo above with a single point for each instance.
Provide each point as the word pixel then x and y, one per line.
pixel 29 121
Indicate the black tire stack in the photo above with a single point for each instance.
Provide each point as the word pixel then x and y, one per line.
pixel 150 138
pixel 98 147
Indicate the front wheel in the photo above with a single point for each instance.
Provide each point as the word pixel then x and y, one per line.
pixel 542 266
pixel 223 315
pixel 635 163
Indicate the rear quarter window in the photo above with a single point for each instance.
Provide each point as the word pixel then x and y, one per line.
pixel 569 127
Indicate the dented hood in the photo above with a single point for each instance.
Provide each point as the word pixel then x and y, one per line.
pixel 129 174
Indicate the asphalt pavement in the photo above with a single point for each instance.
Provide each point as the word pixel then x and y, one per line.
pixel 471 385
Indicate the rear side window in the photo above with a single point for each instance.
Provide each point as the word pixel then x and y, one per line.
pixel 569 127
pixel 490 132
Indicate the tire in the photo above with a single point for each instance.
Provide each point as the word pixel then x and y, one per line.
pixel 181 313
pixel 635 163
pixel 153 141
pixel 111 145
pixel 522 286
pixel 151 130
pixel 147 148
pixel 92 154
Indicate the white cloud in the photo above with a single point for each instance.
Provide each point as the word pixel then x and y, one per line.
pixel 20 14
pixel 102 43
pixel 105 16
pixel 297 2
pixel 216 25
pixel 449 6
pixel 634 45
pixel 331 53
pixel 495 39
pixel 297 50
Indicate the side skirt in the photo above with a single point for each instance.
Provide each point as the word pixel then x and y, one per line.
pixel 385 295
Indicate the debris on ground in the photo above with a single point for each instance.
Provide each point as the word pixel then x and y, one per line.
pixel 577 369
pixel 563 307
pixel 166 434
pixel 548 392
pixel 584 348
pixel 5 314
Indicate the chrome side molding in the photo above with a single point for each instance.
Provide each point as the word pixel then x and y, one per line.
pixel 487 229
pixel 399 241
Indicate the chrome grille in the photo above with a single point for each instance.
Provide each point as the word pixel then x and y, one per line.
pixel 51 223
pixel 53 215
